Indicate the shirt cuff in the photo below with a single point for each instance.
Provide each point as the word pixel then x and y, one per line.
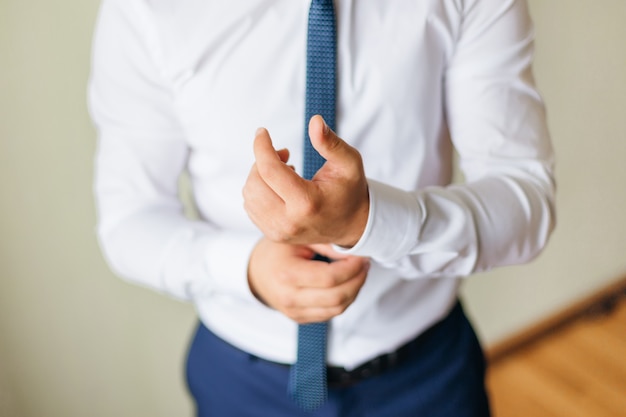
pixel 393 224
pixel 227 264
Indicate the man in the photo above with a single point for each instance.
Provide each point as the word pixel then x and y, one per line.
pixel 184 84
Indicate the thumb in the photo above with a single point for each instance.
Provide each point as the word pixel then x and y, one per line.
pixel 329 145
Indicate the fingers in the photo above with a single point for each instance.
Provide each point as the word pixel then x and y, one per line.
pixel 334 149
pixel 339 296
pixel 271 166
pixel 317 304
pixel 276 198
pixel 324 275
pixel 286 278
pixel 260 201
pixel 266 207
pixel 283 154
pixel 320 297
pixel 333 208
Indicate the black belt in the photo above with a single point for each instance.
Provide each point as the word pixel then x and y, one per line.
pixel 339 377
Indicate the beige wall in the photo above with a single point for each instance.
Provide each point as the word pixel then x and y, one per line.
pixel 75 341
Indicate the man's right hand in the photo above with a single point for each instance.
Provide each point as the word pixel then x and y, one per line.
pixel 286 278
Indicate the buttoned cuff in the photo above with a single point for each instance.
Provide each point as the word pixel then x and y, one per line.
pixel 227 264
pixel 393 224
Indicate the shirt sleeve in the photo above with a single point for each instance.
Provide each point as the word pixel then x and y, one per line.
pixel 503 213
pixel 141 153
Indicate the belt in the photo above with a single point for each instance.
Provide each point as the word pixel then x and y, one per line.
pixel 339 377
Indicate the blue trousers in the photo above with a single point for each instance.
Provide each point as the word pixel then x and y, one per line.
pixel 445 378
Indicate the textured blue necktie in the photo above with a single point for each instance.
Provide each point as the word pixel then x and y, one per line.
pixel 307 382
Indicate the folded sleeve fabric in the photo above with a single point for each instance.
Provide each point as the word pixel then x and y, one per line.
pixel 504 211
pixel 141 154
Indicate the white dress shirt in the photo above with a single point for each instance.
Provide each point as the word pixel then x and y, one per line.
pixel 183 84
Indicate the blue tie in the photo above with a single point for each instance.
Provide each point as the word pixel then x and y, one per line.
pixel 307 381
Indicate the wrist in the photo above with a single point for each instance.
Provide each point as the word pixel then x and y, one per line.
pixel 251 276
pixel 357 224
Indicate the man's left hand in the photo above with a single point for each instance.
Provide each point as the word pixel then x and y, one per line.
pixel 330 208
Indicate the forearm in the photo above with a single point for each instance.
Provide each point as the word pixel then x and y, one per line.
pixel 159 248
pixel 504 213
pixel 458 230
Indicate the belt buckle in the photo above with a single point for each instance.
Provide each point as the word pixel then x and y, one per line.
pixel 344 378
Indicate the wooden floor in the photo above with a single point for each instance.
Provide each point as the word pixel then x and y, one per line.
pixel 578 371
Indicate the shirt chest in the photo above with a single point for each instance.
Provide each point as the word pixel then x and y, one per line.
pixel 237 65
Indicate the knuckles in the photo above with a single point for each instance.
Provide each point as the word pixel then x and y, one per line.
pixel 334 305
pixel 338 302
pixel 284 233
pixel 287 224
pixel 306 207
pixel 296 221
pixel 327 281
pixel 287 302
pixel 355 162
